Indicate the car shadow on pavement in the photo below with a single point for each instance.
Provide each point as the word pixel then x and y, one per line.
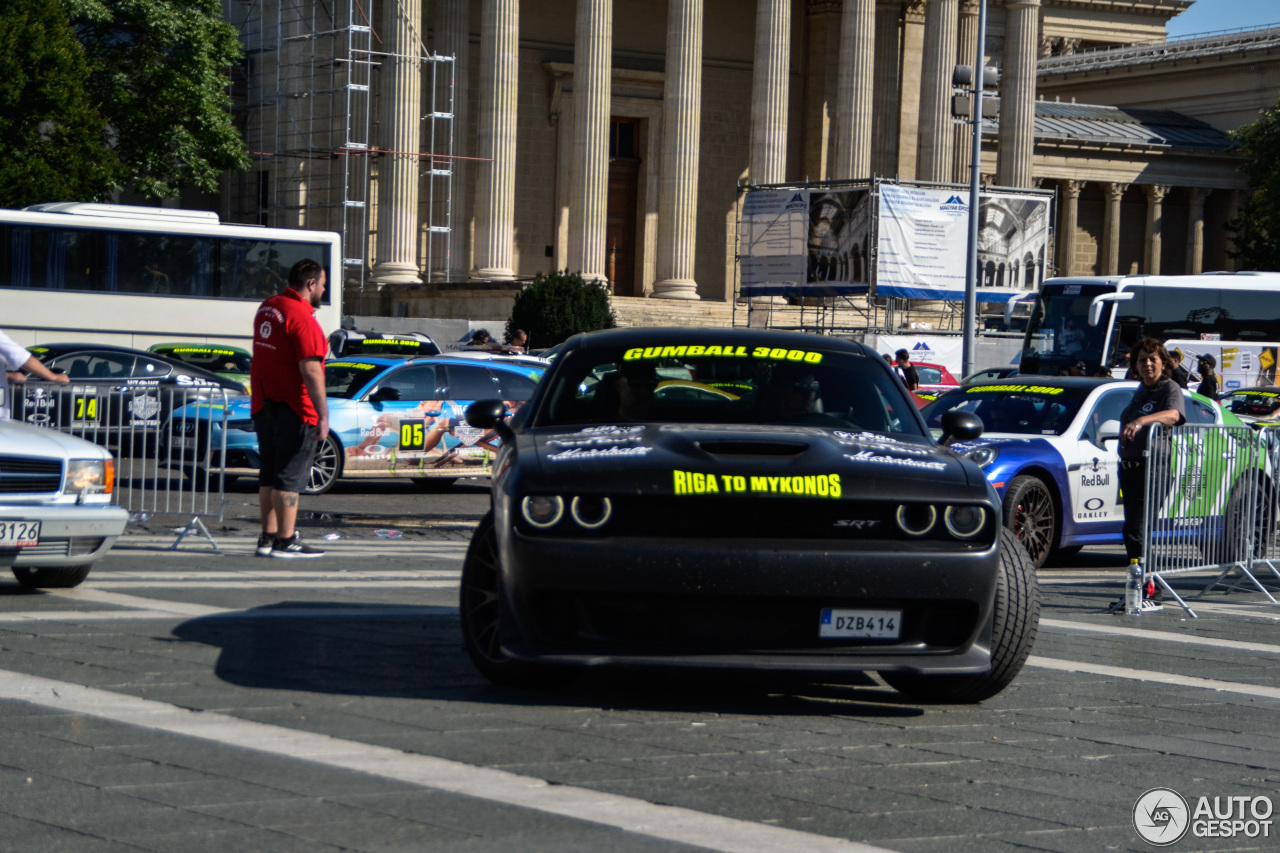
pixel 415 652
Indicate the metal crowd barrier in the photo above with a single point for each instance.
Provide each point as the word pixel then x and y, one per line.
pixel 167 458
pixel 1211 506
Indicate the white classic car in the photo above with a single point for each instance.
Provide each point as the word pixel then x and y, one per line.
pixel 56 515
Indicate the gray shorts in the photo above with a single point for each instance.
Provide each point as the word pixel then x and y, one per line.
pixel 286 448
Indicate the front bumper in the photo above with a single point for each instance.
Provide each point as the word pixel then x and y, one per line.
pixel 748 604
pixel 69 535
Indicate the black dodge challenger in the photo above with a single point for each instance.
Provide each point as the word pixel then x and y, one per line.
pixel 736 499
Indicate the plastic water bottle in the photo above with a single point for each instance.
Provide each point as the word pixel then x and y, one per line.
pixel 1133 589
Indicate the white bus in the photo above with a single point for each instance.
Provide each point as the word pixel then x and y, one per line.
pixel 136 276
pixel 1094 320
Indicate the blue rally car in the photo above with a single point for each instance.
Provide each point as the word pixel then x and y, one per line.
pixel 1049 449
pixel 388 417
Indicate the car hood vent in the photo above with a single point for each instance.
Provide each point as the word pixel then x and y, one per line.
pixel 754 447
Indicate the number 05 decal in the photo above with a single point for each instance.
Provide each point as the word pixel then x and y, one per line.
pixel 413 434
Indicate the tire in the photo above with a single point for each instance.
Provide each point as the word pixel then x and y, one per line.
pixel 1030 515
pixel 1015 620
pixel 434 484
pixel 59 577
pixel 478 607
pixel 326 468
pixel 1262 526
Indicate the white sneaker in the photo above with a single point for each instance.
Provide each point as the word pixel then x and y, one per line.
pixel 1149 606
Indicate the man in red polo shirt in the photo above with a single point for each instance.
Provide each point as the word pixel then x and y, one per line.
pixel 290 413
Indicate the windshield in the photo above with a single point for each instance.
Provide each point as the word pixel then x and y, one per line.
pixel 682 384
pixel 1012 408
pixel 1059 336
pixel 1254 404
pixel 345 378
pixel 217 359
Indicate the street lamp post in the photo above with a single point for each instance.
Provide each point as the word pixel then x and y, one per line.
pixel 975 173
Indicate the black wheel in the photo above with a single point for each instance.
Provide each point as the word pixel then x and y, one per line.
pixel 326 468
pixel 1015 620
pixel 57 577
pixel 1260 524
pixel 434 484
pixel 1029 514
pixel 478 609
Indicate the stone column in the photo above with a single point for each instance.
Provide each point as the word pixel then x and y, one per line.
pixel 1155 219
pixel 821 76
pixel 1018 93
pixel 589 175
pixel 1111 227
pixel 909 91
pixel 1233 213
pixel 933 162
pixel 398 170
pixel 453 38
pixel 769 92
pixel 1070 191
pixel 853 107
pixel 966 54
pixel 884 110
pixel 496 140
pixel 1195 230
pixel 681 132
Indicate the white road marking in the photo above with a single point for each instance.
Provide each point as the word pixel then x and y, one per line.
pixel 669 823
pixel 1163 636
pixel 1153 677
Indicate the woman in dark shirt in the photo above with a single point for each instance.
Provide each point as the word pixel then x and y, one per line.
pixel 1157 401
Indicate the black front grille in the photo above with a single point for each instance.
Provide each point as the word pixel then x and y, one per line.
pixel 20 475
pixel 656 624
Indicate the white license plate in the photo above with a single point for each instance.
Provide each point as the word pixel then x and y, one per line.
pixel 19 534
pixel 861 624
pixel 184 443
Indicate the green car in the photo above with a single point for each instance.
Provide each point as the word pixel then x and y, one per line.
pixel 227 361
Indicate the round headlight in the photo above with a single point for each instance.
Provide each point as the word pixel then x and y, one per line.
pixel 916 519
pixel 591 512
pixel 542 510
pixel 984 455
pixel 964 522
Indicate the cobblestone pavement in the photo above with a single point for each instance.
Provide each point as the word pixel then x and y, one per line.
pixel 203 700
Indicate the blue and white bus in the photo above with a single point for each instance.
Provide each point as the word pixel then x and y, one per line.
pixel 135 276
pixel 1095 320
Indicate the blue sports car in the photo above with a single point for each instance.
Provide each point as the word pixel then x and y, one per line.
pixel 1049 448
pixel 388 417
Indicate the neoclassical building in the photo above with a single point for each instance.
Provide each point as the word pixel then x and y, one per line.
pixel 613 136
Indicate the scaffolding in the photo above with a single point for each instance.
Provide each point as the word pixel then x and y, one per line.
pixel 306 95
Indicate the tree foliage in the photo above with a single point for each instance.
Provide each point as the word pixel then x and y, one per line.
pixel 52 136
pixel 1258 226
pixel 97 95
pixel 558 305
pixel 159 69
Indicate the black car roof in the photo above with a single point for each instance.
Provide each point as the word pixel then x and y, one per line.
pixel 54 350
pixel 674 335
pixel 1073 382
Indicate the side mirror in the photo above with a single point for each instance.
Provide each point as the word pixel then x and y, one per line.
pixel 490 414
pixel 1108 431
pixel 960 426
pixel 385 395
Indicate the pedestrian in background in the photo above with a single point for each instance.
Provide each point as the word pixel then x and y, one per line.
pixel 519 339
pixel 1158 400
pixel 906 371
pixel 1179 373
pixel 1208 386
pixel 290 413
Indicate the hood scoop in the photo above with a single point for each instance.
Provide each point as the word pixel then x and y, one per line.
pixel 753 447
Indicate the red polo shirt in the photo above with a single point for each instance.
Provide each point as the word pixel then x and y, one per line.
pixel 285 331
